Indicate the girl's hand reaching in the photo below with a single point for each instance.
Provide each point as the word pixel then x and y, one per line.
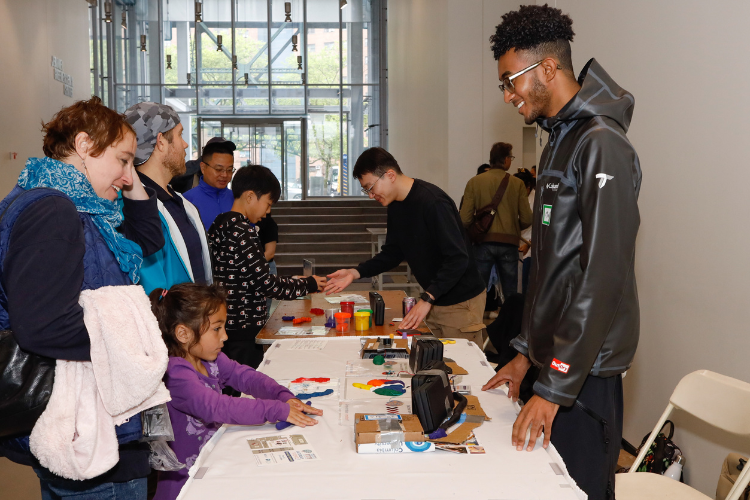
pixel 297 410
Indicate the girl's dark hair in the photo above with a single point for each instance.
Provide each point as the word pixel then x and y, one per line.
pixel 186 304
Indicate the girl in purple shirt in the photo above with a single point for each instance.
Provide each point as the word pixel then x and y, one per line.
pixel 191 318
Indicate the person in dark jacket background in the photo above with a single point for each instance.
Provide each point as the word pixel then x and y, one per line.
pixel 581 318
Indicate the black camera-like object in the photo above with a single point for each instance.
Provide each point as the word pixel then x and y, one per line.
pixel 377 304
pixel 424 351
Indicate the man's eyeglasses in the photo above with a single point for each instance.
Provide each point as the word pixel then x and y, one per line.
pixel 227 171
pixel 507 82
pixel 367 191
pixel 512 158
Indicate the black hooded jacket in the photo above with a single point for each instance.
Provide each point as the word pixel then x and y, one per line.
pixel 582 316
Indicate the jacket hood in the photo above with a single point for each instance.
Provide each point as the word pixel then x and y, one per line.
pixel 600 95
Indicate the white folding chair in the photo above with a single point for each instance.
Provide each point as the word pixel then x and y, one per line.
pixel 715 399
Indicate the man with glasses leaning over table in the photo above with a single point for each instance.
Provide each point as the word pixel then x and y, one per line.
pixel 212 196
pixel 425 230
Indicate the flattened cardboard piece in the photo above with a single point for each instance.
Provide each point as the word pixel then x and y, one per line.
pixel 473 412
pixel 369 431
pixel 457 370
pixel 399 349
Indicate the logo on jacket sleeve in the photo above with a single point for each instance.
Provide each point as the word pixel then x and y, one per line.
pixel 603 178
pixel 559 365
pixel 546 214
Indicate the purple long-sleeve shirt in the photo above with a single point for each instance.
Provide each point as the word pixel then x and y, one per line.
pixel 198 409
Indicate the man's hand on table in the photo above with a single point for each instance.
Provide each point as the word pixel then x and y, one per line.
pixel 417 314
pixel 341 279
pixel 512 373
pixel 297 410
pixel 536 416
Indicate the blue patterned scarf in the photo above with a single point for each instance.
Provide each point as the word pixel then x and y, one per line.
pixel 106 214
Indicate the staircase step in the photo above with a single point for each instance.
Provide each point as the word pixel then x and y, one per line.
pixel 292 210
pixel 282 220
pixel 307 247
pixel 327 237
pixel 353 227
pixel 295 258
pixel 329 202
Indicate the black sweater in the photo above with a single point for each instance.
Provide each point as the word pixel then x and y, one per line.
pixel 426 231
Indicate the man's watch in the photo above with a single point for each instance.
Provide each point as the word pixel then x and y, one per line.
pixel 426 297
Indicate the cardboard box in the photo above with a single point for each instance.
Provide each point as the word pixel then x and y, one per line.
pixel 385 428
pixel 408 447
pixel 399 349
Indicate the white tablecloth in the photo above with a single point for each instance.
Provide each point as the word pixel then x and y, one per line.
pixel 228 471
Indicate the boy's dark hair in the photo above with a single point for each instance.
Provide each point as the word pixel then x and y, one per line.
pixel 499 152
pixel 210 149
pixel 258 179
pixel 483 168
pixel 541 30
pixel 187 304
pixel 375 161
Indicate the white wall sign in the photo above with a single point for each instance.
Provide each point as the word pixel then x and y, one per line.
pixel 61 76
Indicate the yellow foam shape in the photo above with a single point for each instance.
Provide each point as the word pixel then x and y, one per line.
pixel 362 386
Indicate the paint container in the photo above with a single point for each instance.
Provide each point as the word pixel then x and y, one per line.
pixel 330 318
pixel 361 321
pixel 367 311
pixel 342 322
pixel 407 304
pixel 347 307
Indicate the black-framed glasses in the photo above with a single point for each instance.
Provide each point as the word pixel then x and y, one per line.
pixel 228 171
pixel 507 82
pixel 367 191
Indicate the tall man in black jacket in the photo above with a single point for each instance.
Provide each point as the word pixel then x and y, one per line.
pixel 581 317
pixel 425 230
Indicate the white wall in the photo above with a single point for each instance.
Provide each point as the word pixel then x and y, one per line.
pixel 31 32
pixel 683 62
pixel 445 109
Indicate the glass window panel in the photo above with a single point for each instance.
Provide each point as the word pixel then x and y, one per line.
pixel 182 98
pixel 291 188
pixel 288 99
pixel 215 99
pixel 133 65
pixel 128 95
pixel 361 129
pixel 179 40
pixel 251 37
pixel 285 65
pixel 360 41
pixel 324 64
pixel 324 154
pixel 323 99
pixel 215 64
pixel 252 99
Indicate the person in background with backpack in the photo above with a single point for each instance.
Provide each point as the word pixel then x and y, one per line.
pixel 88 227
pixel 499 245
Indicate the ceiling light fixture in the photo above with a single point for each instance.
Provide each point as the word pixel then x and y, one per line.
pixel 189 78
pixel 218 43
pixel 143 43
pixel 198 12
pixel 169 61
pixel 294 43
pixel 247 79
pixel 124 22
pixel 288 12
pixel 299 62
pixel 234 62
pixel 108 12
pixel 342 4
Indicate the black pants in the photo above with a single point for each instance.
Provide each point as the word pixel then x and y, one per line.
pixel 587 435
pixel 244 351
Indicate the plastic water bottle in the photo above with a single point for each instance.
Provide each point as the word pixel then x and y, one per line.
pixel 675 470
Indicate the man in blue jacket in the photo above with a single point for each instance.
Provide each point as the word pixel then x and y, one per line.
pixel 160 157
pixel 212 196
pixel 581 317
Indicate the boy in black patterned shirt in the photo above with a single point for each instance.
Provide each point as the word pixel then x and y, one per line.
pixel 240 266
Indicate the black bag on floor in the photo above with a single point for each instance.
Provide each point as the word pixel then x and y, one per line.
pixel 662 452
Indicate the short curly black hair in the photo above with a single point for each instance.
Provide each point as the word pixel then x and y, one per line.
pixel 541 30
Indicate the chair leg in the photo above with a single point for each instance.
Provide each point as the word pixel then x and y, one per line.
pixel 739 485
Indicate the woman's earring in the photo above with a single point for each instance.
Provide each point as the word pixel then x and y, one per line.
pixel 85 170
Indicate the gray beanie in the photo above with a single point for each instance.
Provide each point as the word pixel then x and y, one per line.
pixel 149 119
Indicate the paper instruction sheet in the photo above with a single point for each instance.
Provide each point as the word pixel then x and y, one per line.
pixel 276 450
